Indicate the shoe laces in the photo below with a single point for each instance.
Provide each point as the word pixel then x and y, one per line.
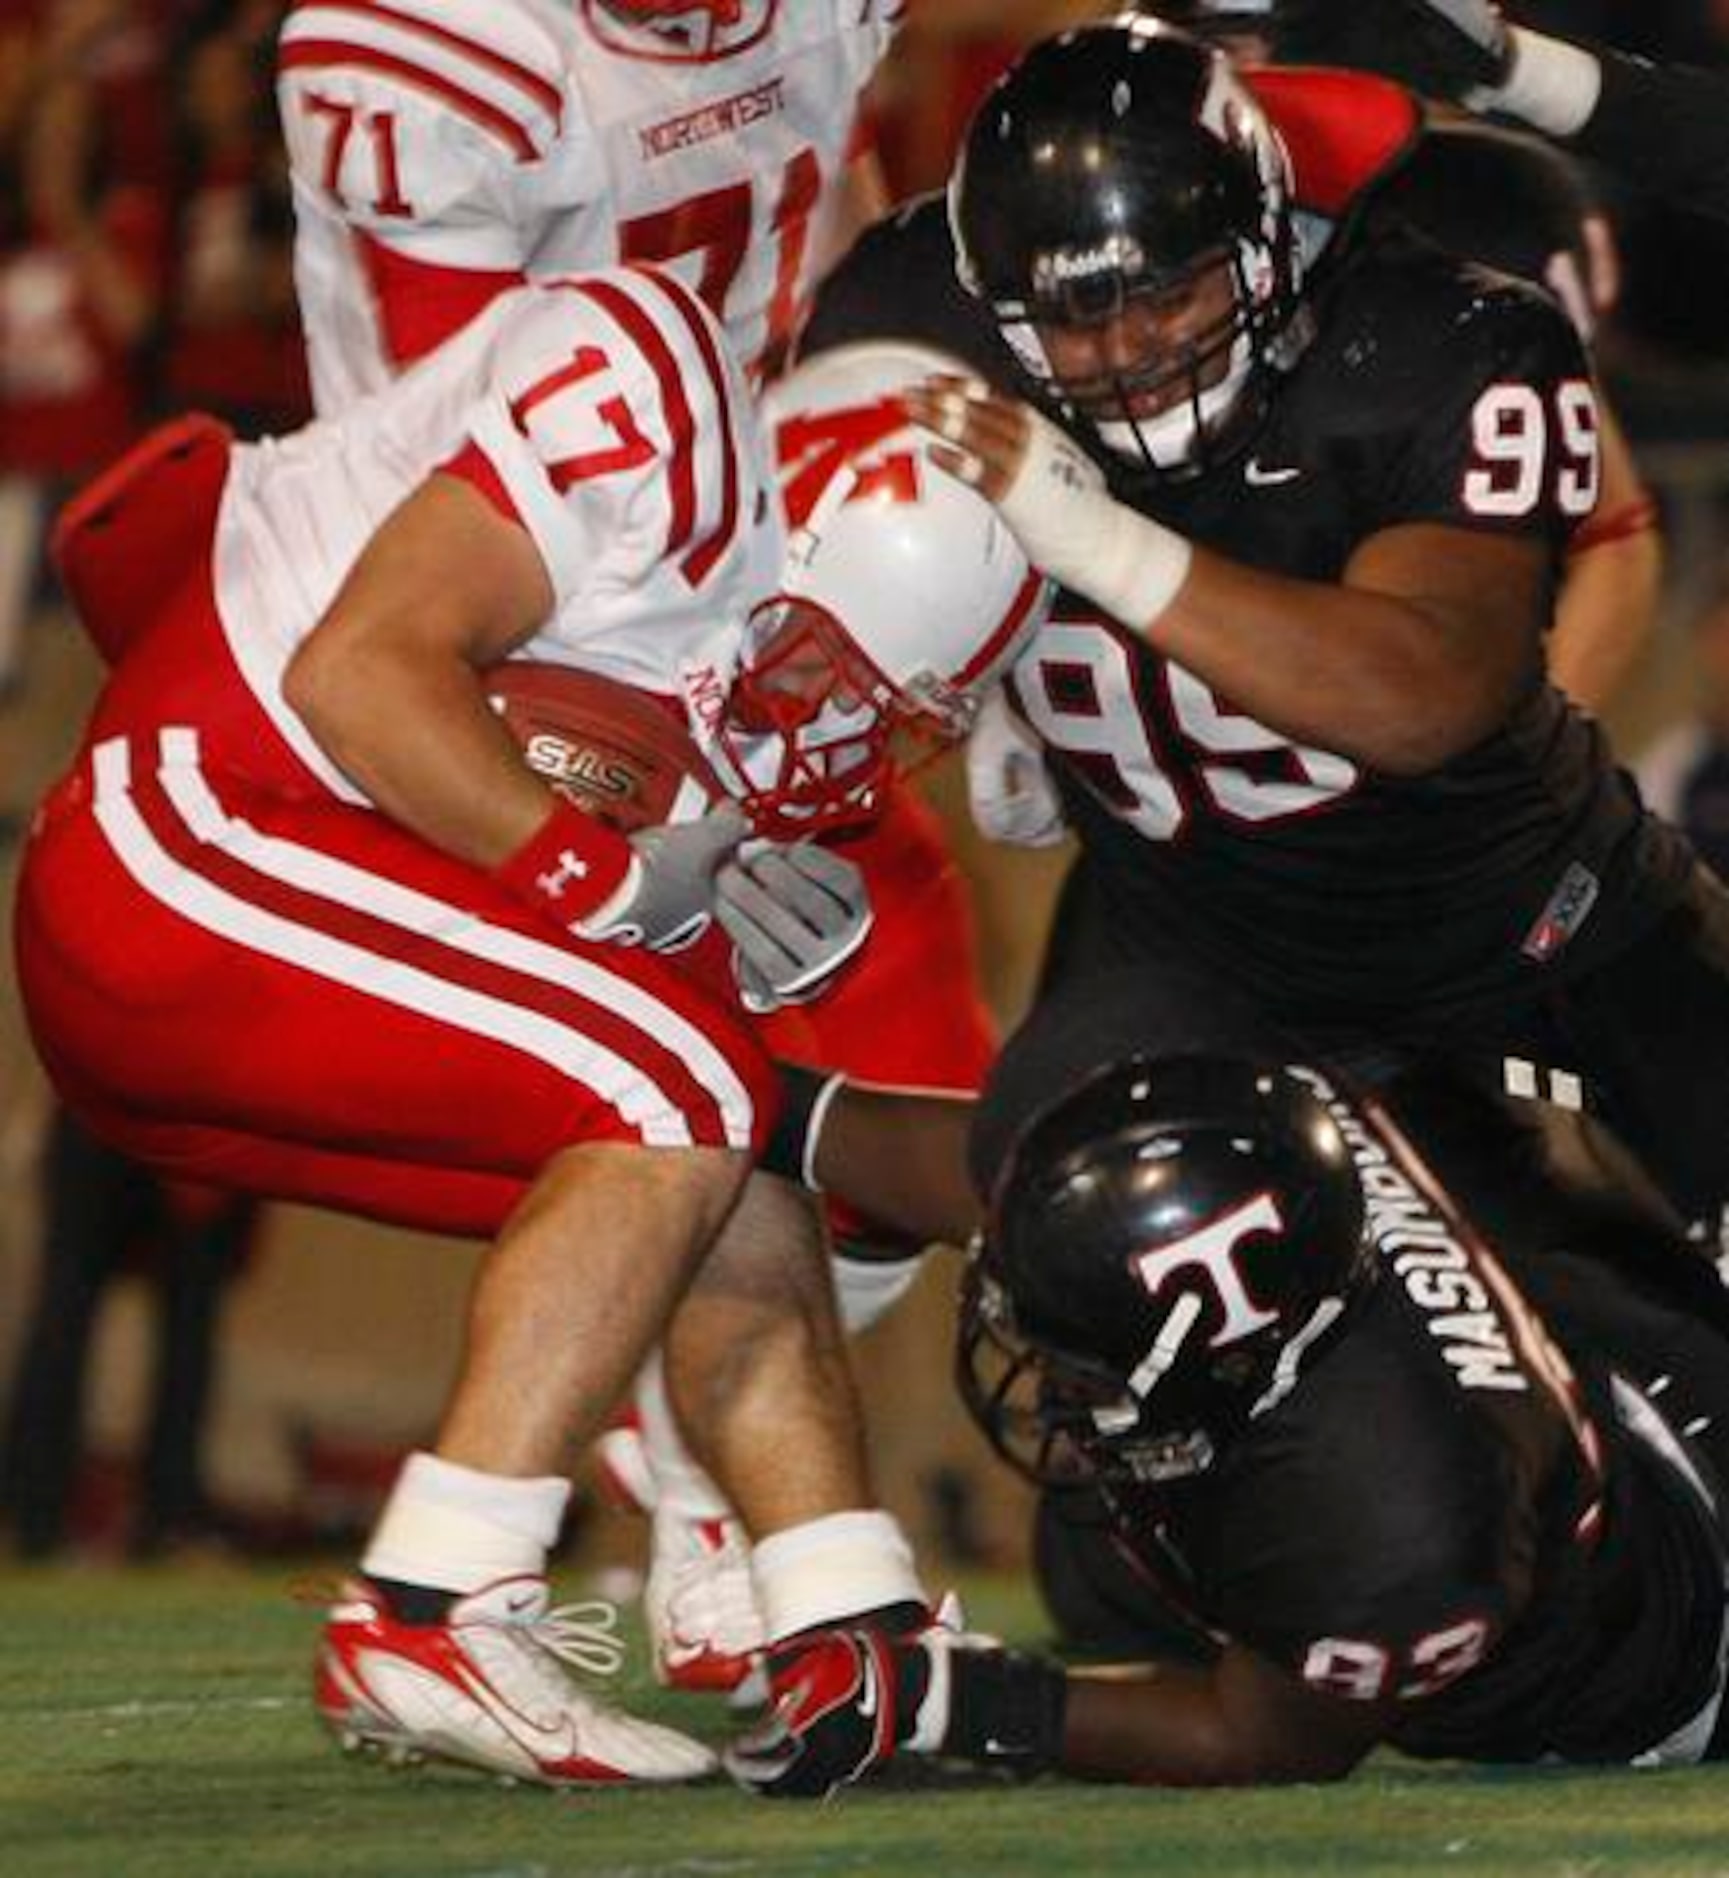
pixel 540 1646
pixel 584 1635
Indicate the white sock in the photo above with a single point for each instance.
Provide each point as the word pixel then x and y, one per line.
pixel 868 1289
pixel 454 1529
pixel 1552 86
pixel 833 1568
pixel 681 1485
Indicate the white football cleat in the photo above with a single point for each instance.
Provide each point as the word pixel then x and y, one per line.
pixel 623 1471
pixel 700 1603
pixel 490 1687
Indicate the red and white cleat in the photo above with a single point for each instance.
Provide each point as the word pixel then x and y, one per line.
pixel 700 1605
pixel 623 1471
pixel 490 1687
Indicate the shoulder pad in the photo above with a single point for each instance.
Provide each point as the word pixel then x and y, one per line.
pixel 1345 132
pixel 495 64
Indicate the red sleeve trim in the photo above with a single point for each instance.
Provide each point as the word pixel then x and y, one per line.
pixel 474 467
pixel 421 305
pixel 1637 517
pixel 1345 131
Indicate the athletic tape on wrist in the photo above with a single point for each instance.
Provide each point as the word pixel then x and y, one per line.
pixel 1552 85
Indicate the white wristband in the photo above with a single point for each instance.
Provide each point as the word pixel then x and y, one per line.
pixel 1550 85
pixel 1077 532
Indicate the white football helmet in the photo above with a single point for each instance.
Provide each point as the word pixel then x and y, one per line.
pixel 903 598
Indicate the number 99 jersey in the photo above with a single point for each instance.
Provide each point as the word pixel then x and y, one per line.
pixel 442 150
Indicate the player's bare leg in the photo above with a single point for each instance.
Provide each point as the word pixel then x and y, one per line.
pixel 448 1646
pixel 757 1373
pixel 574 1295
pixel 755 1350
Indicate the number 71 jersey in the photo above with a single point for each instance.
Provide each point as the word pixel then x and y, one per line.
pixel 441 150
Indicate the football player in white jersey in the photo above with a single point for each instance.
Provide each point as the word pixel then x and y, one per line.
pixel 441 151
pixel 301 920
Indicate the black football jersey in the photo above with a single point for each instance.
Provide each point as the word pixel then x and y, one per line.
pixel 1433 391
pixel 1504 198
pixel 1446 1514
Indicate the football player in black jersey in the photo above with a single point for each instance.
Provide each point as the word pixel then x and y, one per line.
pixel 1309 521
pixel 1401 1486
pixel 1516 203
pixel 1665 128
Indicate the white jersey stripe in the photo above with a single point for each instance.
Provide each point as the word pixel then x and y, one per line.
pixel 522 107
pixel 313 55
pixel 372 23
pixel 330 878
pixel 218 911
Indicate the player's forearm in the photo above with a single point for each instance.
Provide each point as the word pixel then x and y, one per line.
pixel 1238 1723
pixel 416 736
pixel 1664 127
pixel 1604 618
pixel 899 1155
pixel 387 681
pixel 902 1157
pixel 1391 683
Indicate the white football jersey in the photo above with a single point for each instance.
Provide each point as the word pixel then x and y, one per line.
pixel 624 435
pixel 546 136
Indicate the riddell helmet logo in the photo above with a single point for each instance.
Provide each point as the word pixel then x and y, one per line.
pixel 1121 255
pixel 680 32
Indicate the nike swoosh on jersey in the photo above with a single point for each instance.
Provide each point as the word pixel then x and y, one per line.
pixel 1261 476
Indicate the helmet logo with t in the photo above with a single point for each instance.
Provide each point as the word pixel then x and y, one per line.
pixel 1212 1251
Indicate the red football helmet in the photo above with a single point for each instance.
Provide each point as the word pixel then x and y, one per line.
pixel 902 600
pixel 679 32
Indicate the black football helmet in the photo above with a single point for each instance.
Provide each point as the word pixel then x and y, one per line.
pixel 1168 1246
pixel 1120 176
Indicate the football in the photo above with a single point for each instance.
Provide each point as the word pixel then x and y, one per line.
pixel 617 752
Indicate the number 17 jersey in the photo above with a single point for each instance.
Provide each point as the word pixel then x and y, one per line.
pixel 442 150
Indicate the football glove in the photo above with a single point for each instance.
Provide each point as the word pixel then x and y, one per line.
pixel 1009 786
pixel 795 914
pixel 845 1700
pixel 668 897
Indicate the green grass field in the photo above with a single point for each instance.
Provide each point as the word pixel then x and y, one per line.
pixel 156 1723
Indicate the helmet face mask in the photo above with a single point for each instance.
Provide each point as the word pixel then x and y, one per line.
pixel 805 733
pixel 1170 1246
pixel 1120 181
pixel 1058 1418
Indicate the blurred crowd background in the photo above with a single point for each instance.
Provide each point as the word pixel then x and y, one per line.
pixel 182 1374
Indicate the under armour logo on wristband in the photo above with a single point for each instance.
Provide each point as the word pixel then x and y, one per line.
pixel 571 866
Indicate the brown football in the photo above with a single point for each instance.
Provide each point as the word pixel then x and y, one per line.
pixel 618 752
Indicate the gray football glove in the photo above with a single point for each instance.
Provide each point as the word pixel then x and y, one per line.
pixel 669 897
pixel 795 913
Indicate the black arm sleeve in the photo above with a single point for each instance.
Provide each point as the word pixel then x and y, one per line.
pixel 1665 128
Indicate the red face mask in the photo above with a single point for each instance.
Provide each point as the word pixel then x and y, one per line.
pixel 806 725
